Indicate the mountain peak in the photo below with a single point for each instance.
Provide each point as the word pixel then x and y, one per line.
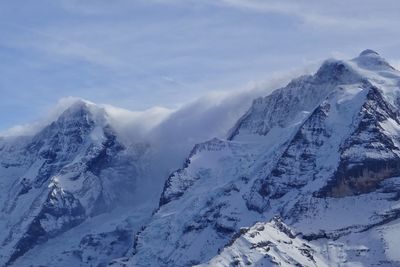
pixel 368 52
pixel 371 60
pixel 72 105
pixel 81 109
pixel 77 106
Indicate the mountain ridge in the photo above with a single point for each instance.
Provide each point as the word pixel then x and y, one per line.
pixel 302 164
pixel 305 158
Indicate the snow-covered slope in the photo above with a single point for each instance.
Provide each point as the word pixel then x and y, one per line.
pixel 322 153
pixel 268 244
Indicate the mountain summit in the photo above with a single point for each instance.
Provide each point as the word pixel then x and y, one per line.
pixel 368 52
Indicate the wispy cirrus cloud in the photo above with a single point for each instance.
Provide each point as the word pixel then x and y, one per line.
pixel 353 14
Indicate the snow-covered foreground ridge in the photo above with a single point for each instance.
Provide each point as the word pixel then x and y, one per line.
pixel 268 244
pixel 308 176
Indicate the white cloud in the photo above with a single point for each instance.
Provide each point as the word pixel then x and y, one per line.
pixel 134 126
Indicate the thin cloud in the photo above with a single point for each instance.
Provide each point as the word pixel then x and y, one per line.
pixel 352 14
pixel 56 45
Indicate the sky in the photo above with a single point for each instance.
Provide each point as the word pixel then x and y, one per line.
pixel 141 54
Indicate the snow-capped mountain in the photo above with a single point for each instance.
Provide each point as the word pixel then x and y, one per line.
pixel 322 153
pixel 308 176
pixel 66 174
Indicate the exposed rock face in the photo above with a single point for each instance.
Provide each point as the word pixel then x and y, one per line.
pixel 362 178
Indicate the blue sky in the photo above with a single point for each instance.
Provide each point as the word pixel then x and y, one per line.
pixel 140 54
